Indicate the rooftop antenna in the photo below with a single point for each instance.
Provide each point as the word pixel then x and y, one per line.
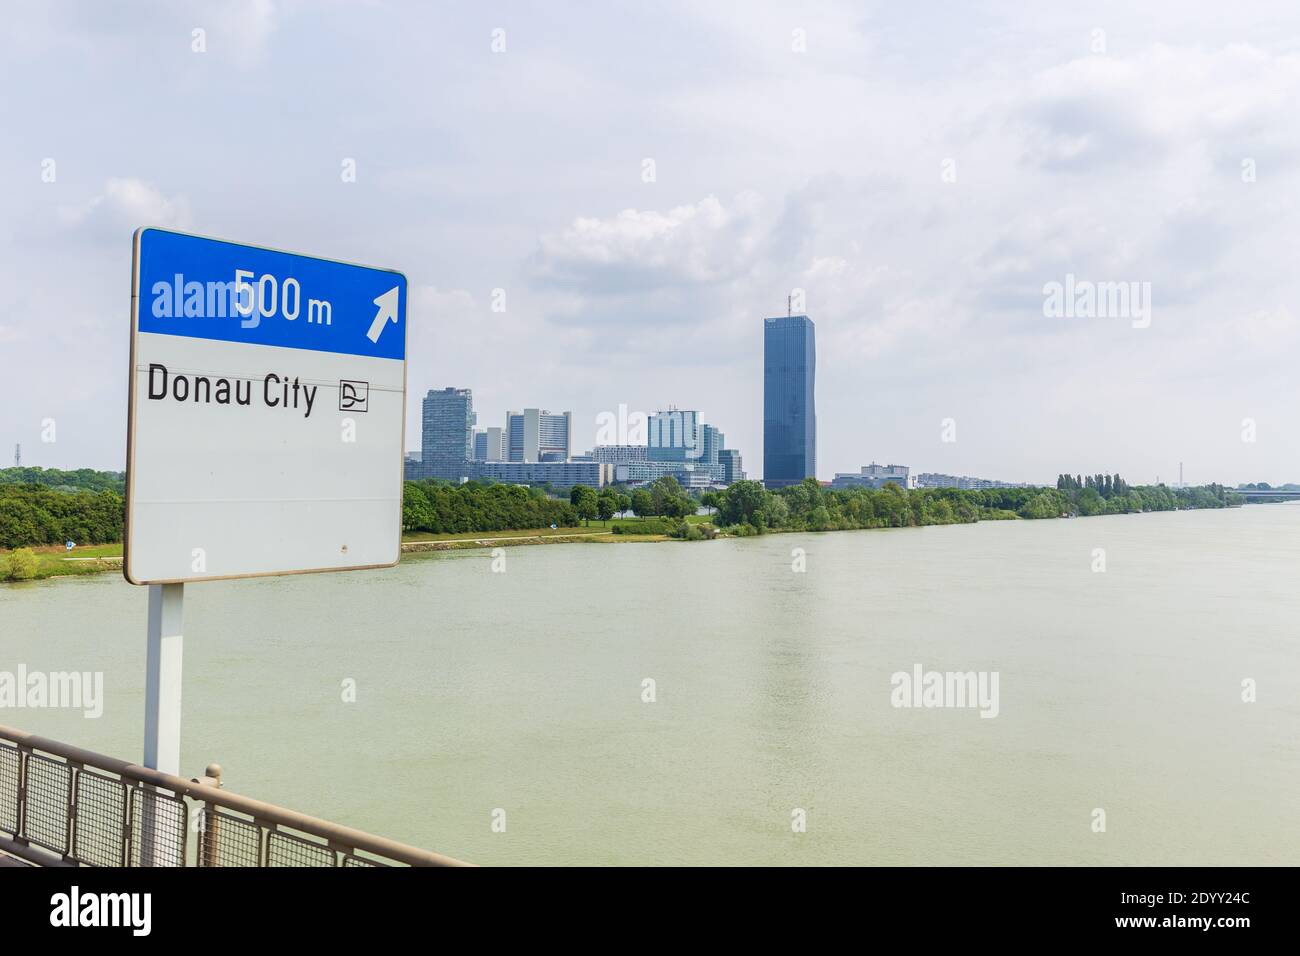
pixel 789 306
pixel 18 455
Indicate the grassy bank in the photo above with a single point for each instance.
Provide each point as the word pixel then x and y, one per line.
pixel 614 530
pixel 96 559
pixel 56 561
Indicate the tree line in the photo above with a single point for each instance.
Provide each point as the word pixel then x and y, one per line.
pixel 808 506
pixel 34 514
pixel 440 507
pixel 83 479
pixel 663 498
pixel 87 506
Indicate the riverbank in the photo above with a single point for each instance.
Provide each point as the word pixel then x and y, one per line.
pixel 505 539
pixel 98 559
pixel 59 562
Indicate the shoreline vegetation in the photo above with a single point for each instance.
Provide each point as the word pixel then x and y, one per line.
pixel 42 508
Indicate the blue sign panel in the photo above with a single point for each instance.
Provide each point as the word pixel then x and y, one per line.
pixel 209 289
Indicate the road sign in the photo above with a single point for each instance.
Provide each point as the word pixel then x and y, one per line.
pixel 267 410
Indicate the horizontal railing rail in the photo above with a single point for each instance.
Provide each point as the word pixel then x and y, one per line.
pixel 64 805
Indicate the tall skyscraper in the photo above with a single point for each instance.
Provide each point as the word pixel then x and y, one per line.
pixel 537 435
pixel 789 400
pixel 447 437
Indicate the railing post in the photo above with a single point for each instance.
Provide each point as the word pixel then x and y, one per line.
pixel 70 825
pixel 23 754
pixel 210 844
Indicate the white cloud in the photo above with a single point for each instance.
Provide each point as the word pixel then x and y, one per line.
pixel 702 243
pixel 245 27
pixel 129 203
pixel 1106 108
pixel 432 304
pixel 139 201
pixel 826 267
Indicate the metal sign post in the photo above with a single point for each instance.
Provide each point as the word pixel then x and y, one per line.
pixel 162 686
pixel 162 713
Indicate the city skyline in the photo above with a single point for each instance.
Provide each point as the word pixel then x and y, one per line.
pixel 536 447
pixel 931 234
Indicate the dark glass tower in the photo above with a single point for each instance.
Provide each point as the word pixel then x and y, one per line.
pixel 789 405
pixel 447 442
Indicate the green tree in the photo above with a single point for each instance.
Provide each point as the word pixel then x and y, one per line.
pixel 677 506
pixel 643 503
pixel 664 490
pixel 742 503
pixel 587 504
pixel 775 513
pixel 606 504
pixel 20 565
pixel 415 508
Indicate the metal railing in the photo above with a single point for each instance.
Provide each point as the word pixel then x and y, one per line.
pixel 61 805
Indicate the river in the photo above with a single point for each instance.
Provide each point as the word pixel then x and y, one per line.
pixel 523 689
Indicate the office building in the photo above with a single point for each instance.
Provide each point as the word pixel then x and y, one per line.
pixel 490 444
pixel 535 435
pixel 688 474
pixel 732 468
pixel 789 405
pixel 875 476
pixel 930 479
pixel 620 454
pixel 680 445
pixel 447 436
pixel 411 466
pixel 561 474
pixel 711 442
pixel 674 435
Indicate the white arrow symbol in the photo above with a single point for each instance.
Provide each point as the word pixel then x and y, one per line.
pixel 387 313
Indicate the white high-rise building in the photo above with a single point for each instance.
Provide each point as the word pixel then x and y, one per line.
pixel 538 435
pixel 490 444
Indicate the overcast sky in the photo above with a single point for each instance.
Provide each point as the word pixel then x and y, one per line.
pixel 921 171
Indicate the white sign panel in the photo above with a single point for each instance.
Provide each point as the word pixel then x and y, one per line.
pixel 267 410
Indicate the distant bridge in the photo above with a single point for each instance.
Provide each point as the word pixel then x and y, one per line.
pixel 1268 494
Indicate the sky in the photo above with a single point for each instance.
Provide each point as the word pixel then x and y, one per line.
pixel 596 204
